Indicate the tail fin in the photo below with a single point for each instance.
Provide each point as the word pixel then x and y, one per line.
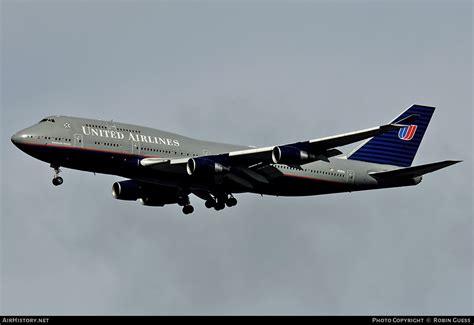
pixel 396 147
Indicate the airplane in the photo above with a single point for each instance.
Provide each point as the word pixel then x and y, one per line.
pixel 164 168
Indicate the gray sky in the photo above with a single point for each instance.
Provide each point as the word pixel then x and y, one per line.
pixel 246 73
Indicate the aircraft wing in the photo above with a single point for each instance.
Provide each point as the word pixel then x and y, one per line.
pixel 316 149
pixel 295 154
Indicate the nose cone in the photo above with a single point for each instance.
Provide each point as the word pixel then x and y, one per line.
pixel 16 138
pixel 19 137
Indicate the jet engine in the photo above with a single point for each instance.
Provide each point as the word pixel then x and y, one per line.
pixel 126 190
pixel 204 167
pixel 290 155
pixel 147 194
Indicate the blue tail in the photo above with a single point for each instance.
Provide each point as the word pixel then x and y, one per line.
pixel 397 147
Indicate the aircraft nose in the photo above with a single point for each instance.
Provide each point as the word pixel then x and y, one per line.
pixel 18 137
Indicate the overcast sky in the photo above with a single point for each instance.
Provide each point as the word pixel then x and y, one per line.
pixel 246 73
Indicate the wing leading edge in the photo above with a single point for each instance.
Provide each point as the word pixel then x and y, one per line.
pixel 297 153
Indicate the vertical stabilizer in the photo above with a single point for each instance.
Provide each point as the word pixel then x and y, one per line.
pixel 396 147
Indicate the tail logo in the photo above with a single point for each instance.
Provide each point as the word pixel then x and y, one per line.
pixel 407 132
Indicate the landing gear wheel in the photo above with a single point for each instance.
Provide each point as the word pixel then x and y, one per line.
pixel 187 209
pixel 232 201
pixel 210 204
pixel 57 181
pixel 219 206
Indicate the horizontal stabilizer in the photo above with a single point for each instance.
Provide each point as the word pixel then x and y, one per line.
pixel 411 172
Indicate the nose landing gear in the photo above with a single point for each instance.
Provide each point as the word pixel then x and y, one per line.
pixel 57 180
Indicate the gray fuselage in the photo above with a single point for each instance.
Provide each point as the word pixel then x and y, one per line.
pixel 117 148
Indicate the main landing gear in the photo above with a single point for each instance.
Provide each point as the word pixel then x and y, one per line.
pixel 187 209
pixel 184 202
pixel 57 180
pixel 219 202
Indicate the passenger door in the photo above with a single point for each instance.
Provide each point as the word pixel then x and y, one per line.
pixel 350 177
pixel 135 147
pixel 78 140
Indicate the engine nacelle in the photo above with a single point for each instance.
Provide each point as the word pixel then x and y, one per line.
pixel 147 194
pixel 126 190
pixel 204 167
pixel 290 155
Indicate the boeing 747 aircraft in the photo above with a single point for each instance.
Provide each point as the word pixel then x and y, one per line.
pixel 165 168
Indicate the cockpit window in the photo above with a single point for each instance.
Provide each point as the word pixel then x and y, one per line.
pixel 47 120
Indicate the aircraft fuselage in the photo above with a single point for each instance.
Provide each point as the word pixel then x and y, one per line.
pixel 117 148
